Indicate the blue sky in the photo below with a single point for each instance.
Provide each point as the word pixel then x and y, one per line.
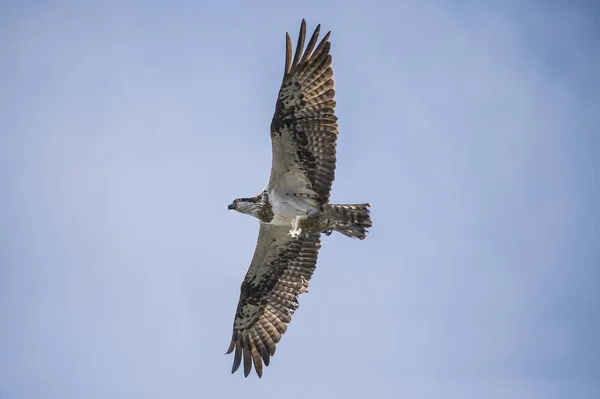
pixel 472 128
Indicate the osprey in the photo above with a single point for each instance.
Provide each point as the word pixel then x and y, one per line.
pixel 294 209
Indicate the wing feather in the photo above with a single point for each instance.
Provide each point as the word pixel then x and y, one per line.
pixel 311 44
pixel 288 54
pixel 247 358
pixel 300 44
pixel 237 357
pixel 304 128
pixel 279 272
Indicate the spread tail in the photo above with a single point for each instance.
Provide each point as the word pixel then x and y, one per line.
pixel 352 220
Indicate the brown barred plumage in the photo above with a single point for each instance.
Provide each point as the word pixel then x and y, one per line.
pixel 279 272
pixel 304 134
pixel 304 127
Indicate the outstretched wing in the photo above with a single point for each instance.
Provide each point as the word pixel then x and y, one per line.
pixel 279 272
pixel 304 127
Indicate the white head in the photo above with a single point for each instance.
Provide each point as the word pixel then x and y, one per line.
pixel 249 206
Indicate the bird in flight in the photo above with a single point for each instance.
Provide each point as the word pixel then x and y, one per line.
pixel 294 209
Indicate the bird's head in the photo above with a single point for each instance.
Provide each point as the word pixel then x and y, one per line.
pixel 249 206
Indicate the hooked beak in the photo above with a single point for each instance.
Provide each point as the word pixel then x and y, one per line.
pixel 230 207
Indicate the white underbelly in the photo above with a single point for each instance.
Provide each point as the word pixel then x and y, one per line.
pixel 286 208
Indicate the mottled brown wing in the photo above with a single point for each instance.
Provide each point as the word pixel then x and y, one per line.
pixel 279 272
pixel 304 128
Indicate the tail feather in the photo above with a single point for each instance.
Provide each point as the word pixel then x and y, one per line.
pixel 352 220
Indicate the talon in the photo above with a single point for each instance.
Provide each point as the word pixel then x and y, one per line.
pixel 328 232
pixel 295 233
